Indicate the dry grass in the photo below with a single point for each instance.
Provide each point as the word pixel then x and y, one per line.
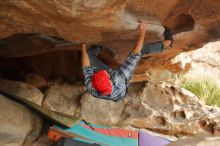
pixel 204 88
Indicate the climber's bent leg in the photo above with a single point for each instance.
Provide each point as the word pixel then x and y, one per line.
pixel 93 52
pixel 151 48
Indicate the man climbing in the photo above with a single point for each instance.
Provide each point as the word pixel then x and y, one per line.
pixel 103 82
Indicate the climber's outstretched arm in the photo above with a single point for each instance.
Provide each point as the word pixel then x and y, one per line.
pixel 142 28
pixel 85 57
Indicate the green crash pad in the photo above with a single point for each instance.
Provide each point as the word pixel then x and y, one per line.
pixel 64 120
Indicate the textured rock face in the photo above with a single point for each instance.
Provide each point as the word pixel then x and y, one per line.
pixel 201 63
pixel 201 139
pixel 205 61
pixel 64 99
pixel 65 65
pixel 18 125
pixel 101 111
pixel 35 80
pixel 100 21
pixel 52 25
pixel 160 107
pixel 22 90
pixel 165 108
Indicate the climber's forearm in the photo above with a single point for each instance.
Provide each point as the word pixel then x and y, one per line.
pixel 85 57
pixel 142 29
pixel 139 44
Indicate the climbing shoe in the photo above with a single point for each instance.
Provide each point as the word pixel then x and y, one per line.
pixel 167 35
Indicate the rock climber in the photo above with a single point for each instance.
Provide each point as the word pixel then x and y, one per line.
pixel 105 83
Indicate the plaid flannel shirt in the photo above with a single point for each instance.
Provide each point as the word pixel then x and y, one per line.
pixel 120 79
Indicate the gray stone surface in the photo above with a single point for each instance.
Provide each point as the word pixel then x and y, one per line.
pixel 22 89
pixel 101 111
pixel 201 139
pixel 64 98
pixel 35 80
pixel 18 125
pixel 165 108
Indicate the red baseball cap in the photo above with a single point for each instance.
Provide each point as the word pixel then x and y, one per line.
pixel 101 82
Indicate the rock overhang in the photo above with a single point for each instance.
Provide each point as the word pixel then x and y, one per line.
pixel 110 23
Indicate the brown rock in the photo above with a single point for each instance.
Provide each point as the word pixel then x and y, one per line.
pixel 21 89
pixel 18 125
pixel 112 23
pixel 20 44
pixel 205 62
pixel 100 111
pixel 168 109
pixel 35 80
pixel 202 139
pixel 64 98
pixel 65 65
pixel 160 107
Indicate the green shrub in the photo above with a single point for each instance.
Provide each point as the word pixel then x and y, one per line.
pixel 204 88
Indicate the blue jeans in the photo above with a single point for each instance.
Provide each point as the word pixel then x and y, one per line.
pixel 151 48
pixel 93 51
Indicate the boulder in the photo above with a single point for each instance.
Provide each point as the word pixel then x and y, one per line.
pixel 64 98
pixel 205 62
pixel 201 139
pixel 160 107
pixel 64 65
pixel 101 111
pixel 104 21
pixel 165 108
pixel 63 25
pixel 18 125
pixel 195 64
pixel 35 80
pixel 43 140
pixel 21 89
